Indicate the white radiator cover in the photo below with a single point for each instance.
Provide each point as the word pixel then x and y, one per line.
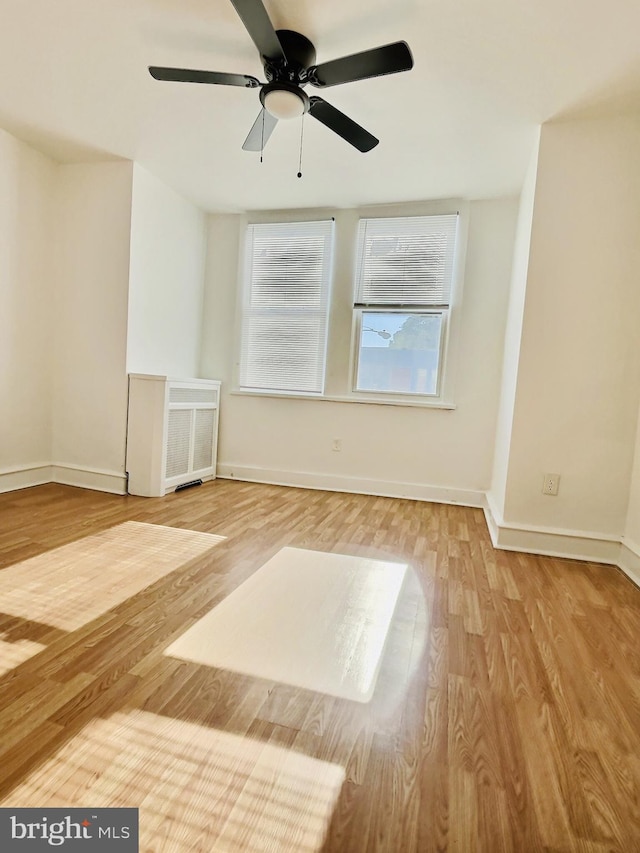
pixel 172 432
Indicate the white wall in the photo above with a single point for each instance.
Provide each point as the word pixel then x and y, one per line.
pixel 630 551
pixel 93 224
pixel 65 264
pixel 513 333
pixel 578 389
pixel 26 181
pixel 389 449
pixel 166 280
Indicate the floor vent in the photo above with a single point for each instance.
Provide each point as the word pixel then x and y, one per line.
pixel 188 485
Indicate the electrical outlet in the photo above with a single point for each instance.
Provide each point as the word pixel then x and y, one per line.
pixel 550 484
pixel 336 445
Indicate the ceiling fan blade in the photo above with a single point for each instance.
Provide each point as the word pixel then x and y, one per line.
pixel 260 132
pixel 342 125
pixel 184 75
pixel 388 59
pixel 258 24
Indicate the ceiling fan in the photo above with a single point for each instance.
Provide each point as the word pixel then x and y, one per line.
pixel 289 59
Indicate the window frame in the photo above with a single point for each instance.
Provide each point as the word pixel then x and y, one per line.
pixel 445 384
pixel 245 309
pixel 342 340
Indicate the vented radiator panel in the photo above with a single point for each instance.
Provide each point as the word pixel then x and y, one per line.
pixel 193 395
pixel 203 438
pixel 178 442
pixel 172 432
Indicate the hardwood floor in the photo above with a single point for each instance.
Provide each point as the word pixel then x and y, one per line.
pixel 506 715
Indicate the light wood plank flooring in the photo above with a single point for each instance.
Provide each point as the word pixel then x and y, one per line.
pixel 506 715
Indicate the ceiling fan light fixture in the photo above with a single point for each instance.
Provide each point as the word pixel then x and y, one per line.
pixel 284 103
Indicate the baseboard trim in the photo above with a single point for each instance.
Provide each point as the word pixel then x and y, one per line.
pixel 25 477
pixel 549 541
pixel 352 485
pixel 90 478
pixel 629 560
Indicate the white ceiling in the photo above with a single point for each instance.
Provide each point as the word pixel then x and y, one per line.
pixel 74 83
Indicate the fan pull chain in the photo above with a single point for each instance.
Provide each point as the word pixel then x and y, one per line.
pixel 301 138
pixel 262 138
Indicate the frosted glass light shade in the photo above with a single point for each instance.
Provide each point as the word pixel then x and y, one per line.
pixel 283 104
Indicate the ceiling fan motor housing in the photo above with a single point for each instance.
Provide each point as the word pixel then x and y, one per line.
pixel 300 55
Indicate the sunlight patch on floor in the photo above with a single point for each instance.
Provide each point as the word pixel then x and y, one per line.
pixel 71 585
pixel 309 619
pixel 197 788
pixel 12 654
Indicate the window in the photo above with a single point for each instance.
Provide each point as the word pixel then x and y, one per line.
pixel 285 307
pixel 384 328
pixel 403 288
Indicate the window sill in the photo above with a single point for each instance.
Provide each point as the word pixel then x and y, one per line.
pixel 369 399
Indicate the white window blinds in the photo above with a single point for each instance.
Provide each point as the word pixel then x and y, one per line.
pixel 286 306
pixel 406 260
